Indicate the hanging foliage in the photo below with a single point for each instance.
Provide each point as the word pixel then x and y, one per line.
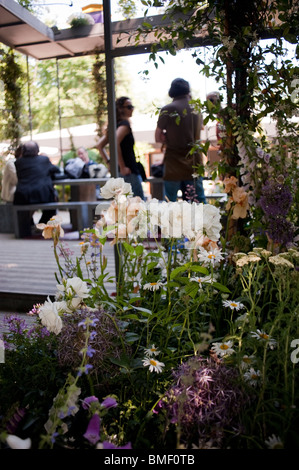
pixel 99 76
pixel 11 75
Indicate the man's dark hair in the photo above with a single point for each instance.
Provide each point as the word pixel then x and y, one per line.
pixel 179 87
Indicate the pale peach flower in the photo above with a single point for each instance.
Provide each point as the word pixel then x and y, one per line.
pixel 51 228
pixel 230 183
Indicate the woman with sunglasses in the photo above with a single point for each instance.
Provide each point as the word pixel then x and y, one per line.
pixel 127 164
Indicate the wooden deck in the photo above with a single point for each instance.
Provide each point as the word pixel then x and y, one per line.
pixel 27 270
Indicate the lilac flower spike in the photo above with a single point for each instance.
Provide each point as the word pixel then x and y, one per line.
pixel 92 433
pixel 109 402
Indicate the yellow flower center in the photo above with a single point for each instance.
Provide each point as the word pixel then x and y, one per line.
pixel 264 336
pixel 211 256
pixel 233 304
pixel 224 346
pixel 246 359
pixel 254 376
pixel 153 283
pixel 153 363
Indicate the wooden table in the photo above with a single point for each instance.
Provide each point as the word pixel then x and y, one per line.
pixel 82 189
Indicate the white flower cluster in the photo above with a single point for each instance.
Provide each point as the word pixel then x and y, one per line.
pixel 149 361
pixel 70 296
pixel 136 218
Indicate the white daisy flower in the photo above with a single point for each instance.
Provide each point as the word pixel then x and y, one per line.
pixel 153 285
pixel 252 376
pixel 213 256
pixel 152 351
pixel 247 361
pixel 261 335
pixel 274 442
pixel 201 280
pixel 232 304
pixel 154 366
pixel 223 349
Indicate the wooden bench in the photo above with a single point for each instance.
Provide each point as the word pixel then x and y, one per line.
pixel 83 210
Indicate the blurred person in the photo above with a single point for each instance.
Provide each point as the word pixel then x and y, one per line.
pixel 10 179
pixel 35 173
pixel 128 166
pixel 83 154
pixel 178 127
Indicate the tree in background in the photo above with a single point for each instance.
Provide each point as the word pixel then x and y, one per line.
pixel 256 81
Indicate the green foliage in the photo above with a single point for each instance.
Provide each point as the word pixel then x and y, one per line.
pixel 11 75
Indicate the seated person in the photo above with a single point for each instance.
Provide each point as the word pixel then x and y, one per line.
pixel 83 154
pixel 35 174
pixel 9 179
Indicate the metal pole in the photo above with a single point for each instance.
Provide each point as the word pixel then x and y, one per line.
pixel 59 109
pixel 111 108
pixel 29 101
pixel 110 89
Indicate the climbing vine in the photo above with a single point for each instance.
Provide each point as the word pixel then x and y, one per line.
pixel 99 84
pixel 11 75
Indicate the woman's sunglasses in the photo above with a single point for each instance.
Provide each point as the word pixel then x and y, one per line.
pixel 129 106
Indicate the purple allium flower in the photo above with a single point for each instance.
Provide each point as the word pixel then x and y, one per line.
pixel 281 230
pixel 92 433
pixel 109 445
pixel 206 398
pixel 109 402
pixel 86 402
pixel 276 199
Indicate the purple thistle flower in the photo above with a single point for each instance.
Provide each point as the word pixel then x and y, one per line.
pixel 86 402
pixel 92 433
pixel 109 402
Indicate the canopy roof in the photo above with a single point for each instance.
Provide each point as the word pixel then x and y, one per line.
pixel 23 32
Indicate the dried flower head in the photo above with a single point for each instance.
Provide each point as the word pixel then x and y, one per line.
pixel 205 398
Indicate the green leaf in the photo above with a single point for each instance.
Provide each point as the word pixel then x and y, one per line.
pixel 129 248
pixel 176 271
pixel 199 269
pixel 79 271
pixel 131 337
pixel 139 250
pixel 221 287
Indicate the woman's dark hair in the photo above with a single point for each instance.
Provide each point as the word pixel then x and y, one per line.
pixel 179 87
pixel 30 149
pixel 119 104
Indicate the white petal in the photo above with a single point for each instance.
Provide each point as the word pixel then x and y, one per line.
pixel 16 442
